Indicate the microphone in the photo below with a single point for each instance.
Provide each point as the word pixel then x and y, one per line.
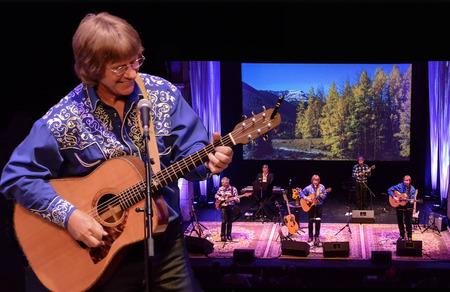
pixel 144 106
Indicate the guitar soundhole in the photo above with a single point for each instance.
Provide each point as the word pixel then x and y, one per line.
pixel 108 208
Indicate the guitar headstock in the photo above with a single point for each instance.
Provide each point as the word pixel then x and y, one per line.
pixel 285 196
pixel 254 127
pixel 328 190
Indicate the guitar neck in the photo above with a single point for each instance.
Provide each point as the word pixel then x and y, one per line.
pixel 237 197
pixel 243 133
pixel 170 174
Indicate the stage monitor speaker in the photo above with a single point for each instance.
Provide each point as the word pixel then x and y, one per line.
pixel 409 248
pixel 381 257
pixel 363 216
pixel 198 245
pixel 336 249
pixel 244 256
pixel 295 248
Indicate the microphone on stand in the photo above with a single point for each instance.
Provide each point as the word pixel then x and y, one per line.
pixel 144 106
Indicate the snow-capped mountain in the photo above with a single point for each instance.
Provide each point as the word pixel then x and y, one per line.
pixel 291 96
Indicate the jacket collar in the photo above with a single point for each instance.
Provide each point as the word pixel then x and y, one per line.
pixel 95 100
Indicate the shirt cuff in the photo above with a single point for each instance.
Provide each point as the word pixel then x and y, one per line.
pixel 58 211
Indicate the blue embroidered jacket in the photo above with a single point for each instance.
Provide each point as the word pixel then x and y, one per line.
pixel 312 190
pixel 80 132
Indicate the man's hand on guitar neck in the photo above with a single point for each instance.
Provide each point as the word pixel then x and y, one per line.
pixel 84 228
pixel 221 158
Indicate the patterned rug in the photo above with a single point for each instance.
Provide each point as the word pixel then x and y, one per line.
pixel 363 239
pixel 246 235
pixel 383 237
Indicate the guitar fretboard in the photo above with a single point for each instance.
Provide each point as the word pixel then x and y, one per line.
pixel 136 193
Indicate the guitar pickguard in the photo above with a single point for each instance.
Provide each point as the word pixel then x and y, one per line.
pixel 99 253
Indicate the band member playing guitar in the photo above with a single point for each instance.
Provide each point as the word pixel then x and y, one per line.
pixel 225 193
pixel 403 194
pixel 96 123
pixel 319 194
pixel 360 174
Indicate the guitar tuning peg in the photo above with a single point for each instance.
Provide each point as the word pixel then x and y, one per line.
pixel 253 114
pixel 243 118
pixel 254 143
pixel 264 107
pixel 265 137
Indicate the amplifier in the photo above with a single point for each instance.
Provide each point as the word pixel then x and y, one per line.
pixel 336 249
pixel 409 248
pixel 197 245
pixel 295 248
pixel 363 216
pixel 244 256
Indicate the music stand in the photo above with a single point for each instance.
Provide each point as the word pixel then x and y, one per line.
pixel 261 188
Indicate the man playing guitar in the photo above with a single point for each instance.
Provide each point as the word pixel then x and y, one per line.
pixel 315 213
pixel 401 192
pixel 360 173
pixel 224 193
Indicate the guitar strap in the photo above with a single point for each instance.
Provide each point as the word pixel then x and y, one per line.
pixel 153 146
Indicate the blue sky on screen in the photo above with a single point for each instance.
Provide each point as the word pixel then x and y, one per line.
pixel 272 76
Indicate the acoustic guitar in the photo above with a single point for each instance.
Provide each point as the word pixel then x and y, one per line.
pixel 403 198
pixel 289 220
pixel 306 206
pixel 110 194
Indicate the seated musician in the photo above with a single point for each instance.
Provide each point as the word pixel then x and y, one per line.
pixel 226 211
pixel 404 213
pixel 315 213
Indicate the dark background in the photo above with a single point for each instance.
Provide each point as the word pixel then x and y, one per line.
pixel 37 65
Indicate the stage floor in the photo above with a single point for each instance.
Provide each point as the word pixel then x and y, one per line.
pixel 264 239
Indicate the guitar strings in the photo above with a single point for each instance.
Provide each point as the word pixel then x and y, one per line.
pixel 130 193
pixel 127 195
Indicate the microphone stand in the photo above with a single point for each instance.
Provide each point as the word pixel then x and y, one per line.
pixel 149 243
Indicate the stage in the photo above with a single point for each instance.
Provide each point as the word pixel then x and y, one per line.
pixel 363 239
pixel 355 270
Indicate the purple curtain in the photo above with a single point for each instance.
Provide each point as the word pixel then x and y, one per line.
pixel 439 87
pixel 205 95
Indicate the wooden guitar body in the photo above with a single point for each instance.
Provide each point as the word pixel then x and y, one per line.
pixel 291 224
pixel 63 264
pixel 403 199
pixel 306 206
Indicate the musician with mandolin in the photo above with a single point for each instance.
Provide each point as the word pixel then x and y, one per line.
pixel 360 173
pixel 78 176
pixel 312 198
pixel 402 196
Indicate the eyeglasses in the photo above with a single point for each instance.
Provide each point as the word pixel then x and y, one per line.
pixel 121 70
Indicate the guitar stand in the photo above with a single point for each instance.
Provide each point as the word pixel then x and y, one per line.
pixel 193 223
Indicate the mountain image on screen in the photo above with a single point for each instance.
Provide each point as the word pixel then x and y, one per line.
pixel 332 111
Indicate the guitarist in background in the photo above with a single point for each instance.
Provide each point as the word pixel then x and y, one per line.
pixel 360 174
pixel 315 213
pixel 98 121
pixel 404 213
pixel 226 211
